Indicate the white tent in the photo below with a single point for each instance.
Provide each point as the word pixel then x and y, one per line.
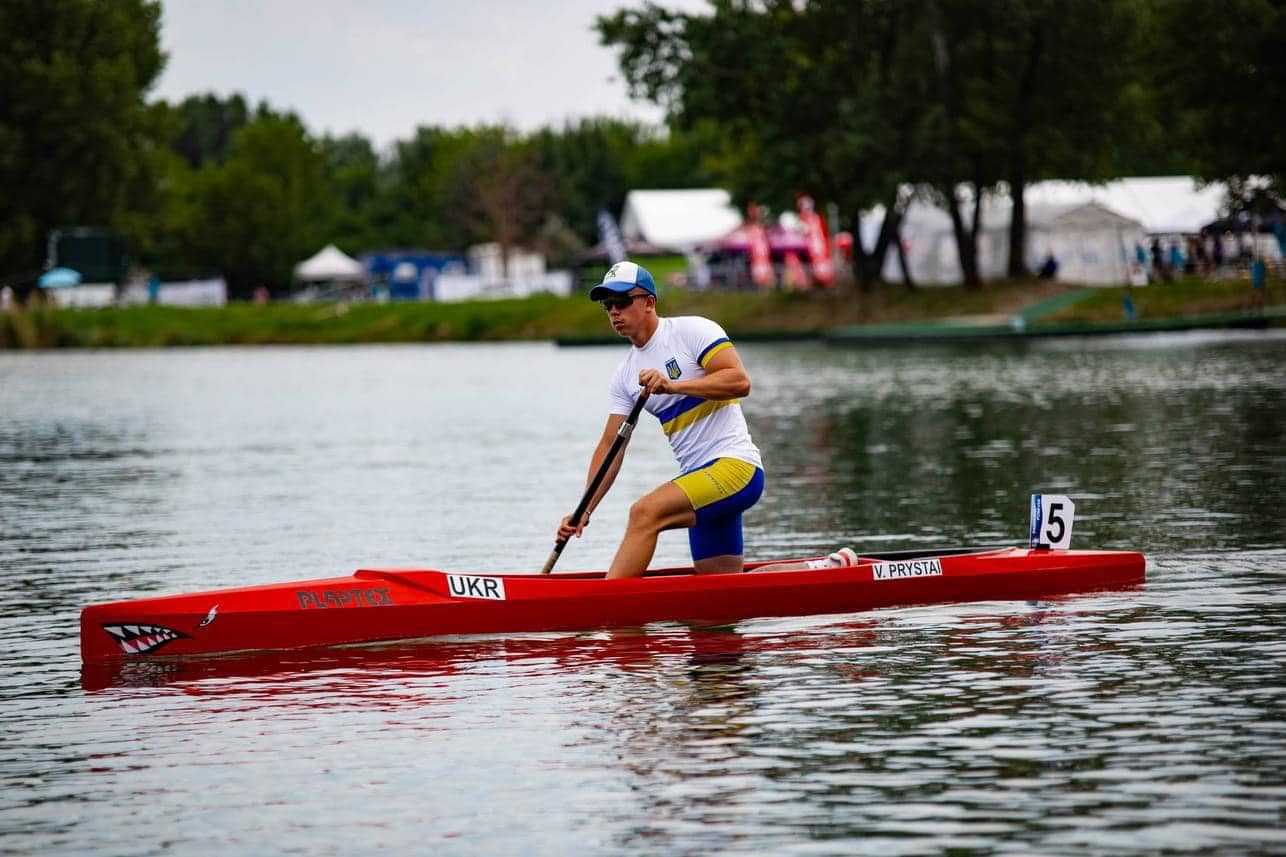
pixel 330 265
pixel 1091 243
pixel 1165 205
pixel 678 219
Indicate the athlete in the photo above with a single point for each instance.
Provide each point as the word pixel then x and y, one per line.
pixel 695 380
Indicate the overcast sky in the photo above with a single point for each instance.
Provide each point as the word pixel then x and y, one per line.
pixel 383 67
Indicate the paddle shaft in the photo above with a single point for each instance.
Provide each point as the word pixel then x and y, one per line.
pixel 622 438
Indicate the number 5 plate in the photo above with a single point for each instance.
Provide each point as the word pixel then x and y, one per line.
pixel 1051 521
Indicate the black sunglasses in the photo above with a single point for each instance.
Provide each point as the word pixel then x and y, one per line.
pixel 620 301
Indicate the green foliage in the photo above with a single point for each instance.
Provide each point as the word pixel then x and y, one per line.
pixel 74 129
pixel 847 100
pixel 1184 297
pixel 207 124
pixel 261 211
pixel 352 170
pixel 1220 69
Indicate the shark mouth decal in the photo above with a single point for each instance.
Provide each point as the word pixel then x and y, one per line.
pixel 141 639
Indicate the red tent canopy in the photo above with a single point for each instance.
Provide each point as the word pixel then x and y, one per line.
pixel 780 240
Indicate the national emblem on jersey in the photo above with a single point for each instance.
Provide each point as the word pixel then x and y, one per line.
pixel 672 369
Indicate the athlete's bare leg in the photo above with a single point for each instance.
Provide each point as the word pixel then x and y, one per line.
pixel 724 564
pixel 666 508
pixel 841 558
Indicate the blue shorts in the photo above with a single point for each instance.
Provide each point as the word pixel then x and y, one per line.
pixel 720 491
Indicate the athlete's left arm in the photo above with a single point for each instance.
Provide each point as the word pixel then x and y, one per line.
pixel 725 378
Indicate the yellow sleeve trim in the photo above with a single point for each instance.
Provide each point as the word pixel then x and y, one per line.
pixel 715 349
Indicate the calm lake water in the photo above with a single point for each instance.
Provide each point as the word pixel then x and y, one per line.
pixel 1133 722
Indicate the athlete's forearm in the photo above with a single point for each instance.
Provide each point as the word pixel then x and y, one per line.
pixel 728 383
pixel 596 461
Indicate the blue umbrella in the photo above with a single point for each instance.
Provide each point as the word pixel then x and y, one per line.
pixel 59 278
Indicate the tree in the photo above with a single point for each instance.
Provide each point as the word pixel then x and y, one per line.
pixel 419 190
pixel 501 192
pixel 263 210
pixel 803 99
pixel 1049 90
pixel 354 174
pixel 594 162
pixel 1221 69
pixel 74 129
pixel 849 100
pixel 207 124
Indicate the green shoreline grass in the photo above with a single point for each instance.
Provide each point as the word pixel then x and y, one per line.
pixel 546 317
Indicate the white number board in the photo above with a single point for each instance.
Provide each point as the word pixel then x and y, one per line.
pixel 1051 521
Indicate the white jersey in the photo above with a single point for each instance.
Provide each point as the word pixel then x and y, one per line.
pixel 700 430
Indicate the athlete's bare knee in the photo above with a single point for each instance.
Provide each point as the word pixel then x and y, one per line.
pixel 645 514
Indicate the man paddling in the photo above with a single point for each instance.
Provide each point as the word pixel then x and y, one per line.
pixel 695 381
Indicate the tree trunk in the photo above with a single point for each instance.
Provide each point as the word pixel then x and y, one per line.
pixel 966 246
pixel 902 260
pixel 861 259
pixel 1018 225
pixel 975 229
pixel 1018 157
pixel 869 267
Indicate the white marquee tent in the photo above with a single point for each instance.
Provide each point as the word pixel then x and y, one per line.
pixel 678 219
pixel 1091 229
pixel 1091 243
pixel 330 265
pixel 1165 205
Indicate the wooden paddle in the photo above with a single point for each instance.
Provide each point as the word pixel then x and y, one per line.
pixel 622 438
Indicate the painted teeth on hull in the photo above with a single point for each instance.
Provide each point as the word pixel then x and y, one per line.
pixel 141 639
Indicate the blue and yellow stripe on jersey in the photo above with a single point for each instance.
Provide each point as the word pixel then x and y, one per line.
pixel 687 411
pixel 711 350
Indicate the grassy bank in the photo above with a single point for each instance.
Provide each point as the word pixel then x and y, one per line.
pixel 546 317
pixel 1182 298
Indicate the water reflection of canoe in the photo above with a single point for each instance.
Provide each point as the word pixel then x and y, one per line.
pixel 351 669
pixel 375 605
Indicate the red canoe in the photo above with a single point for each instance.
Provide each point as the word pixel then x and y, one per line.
pixel 375 605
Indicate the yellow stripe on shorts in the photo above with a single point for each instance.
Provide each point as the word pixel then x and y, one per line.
pixel 715 482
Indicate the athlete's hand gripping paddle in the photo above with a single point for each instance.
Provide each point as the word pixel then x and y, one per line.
pixel 622 438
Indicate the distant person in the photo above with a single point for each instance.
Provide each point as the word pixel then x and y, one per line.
pixel 1176 258
pixel 1216 251
pixel 1202 257
pixel 1048 268
pixel 1245 248
pixel 6 298
pixel 1159 271
pixel 1258 283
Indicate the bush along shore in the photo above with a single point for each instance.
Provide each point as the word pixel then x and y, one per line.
pixel 545 317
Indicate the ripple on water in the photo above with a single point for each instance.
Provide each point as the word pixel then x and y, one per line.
pixel 1133 722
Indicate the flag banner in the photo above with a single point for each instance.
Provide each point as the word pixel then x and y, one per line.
pixel 761 269
pixel 819 248
pixel 610 235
